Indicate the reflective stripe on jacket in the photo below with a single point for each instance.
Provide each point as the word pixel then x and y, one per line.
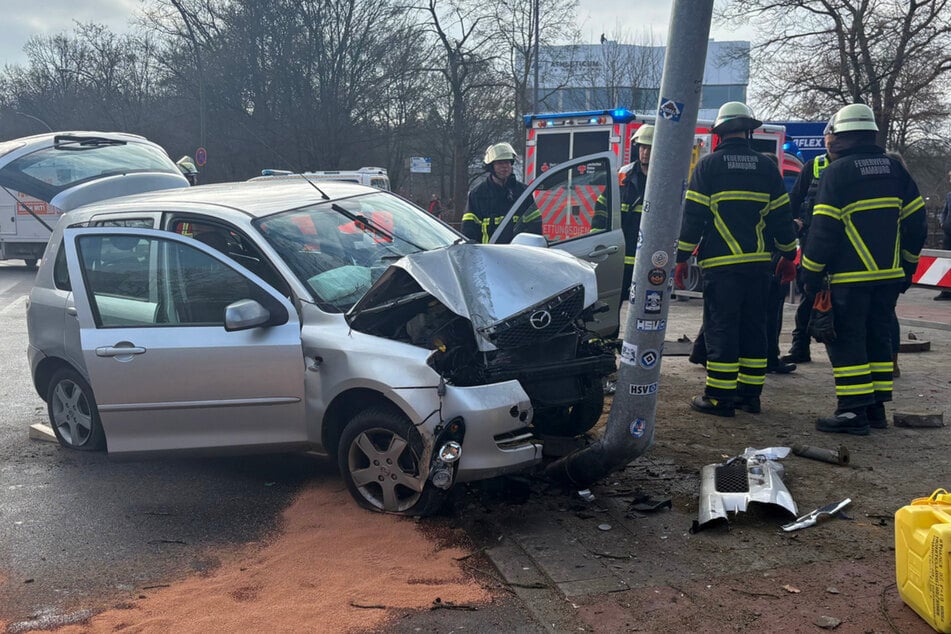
pixel 735 199
pixel 632 205
pixel 487 206
pixel 869 221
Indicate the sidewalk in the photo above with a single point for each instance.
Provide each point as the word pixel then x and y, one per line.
pixel 621 568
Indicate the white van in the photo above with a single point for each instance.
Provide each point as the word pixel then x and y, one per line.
pixel 369 176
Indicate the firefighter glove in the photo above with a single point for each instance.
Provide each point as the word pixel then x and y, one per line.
pixel 680 274
pixel 785 270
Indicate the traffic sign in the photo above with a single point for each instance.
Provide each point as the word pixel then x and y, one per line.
pixel 201 157
pixel 420 164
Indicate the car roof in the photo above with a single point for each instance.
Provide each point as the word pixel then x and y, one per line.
pixel 254 198
pixel 29 143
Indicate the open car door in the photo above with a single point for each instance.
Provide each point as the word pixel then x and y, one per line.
pixel 171 364
pixel 579 201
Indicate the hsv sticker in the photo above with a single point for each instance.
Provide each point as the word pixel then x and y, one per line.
pixel 659 258
pixel 649 359
pixel 629 353
pixel 670 109
pixel 643 390
pixel 638 427
pixel 653 301
pixel 657 276
pixel 633 291
pixel 651 325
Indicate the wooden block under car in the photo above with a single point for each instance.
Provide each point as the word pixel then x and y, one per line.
pixel 914 345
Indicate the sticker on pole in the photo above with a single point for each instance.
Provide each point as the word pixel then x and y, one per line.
pixel 670 109
pixel 638 427
pixel 659 258
pixel 649 359
pixel 629 353
pixel 643 389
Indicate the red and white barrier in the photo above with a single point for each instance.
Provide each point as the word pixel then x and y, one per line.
pixel 934 269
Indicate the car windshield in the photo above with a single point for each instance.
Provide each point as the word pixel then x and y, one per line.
pixel 48 171
pixel 339 249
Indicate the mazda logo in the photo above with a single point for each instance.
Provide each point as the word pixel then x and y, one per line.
pixel 540 319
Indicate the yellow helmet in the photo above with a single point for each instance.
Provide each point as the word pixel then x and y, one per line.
pixel 735 116
pixel 644 135
pixel 499 152
pixel 853 118
pixel 186 165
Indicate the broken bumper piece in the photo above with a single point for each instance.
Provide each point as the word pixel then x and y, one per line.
pixel 753 476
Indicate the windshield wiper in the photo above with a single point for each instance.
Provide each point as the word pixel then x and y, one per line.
pixel 375 228
pixel 72 142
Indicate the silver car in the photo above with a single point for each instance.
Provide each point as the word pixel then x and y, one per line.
pixel 266 316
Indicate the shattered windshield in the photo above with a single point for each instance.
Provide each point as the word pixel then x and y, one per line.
pixel 339 249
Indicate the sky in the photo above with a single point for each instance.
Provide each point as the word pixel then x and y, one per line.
pixel 22 19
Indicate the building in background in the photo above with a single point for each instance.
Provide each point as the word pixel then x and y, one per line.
pixel 613 75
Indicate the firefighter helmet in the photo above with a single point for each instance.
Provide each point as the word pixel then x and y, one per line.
pixel 187 166
pixel 644 135
pixel 855 117
pixel 735 116
pixel 499 152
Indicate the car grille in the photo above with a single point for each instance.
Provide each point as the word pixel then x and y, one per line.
pixel 538 323
pixel 514 439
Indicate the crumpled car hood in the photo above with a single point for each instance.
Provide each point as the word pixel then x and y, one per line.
pixel 486 283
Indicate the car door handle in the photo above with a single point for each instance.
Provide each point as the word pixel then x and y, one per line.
pixel 603 251
pixel 118 351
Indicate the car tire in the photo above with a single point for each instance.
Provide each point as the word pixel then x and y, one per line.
pixel 30 263
pixel 73 413
pixel 379 458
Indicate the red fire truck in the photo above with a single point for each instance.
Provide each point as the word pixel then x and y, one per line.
pixel 554 138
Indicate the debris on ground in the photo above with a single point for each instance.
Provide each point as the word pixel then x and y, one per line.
pixel 838 456
pixel 811 518
pixel 918 419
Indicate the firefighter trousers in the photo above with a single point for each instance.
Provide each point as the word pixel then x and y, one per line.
pixel 800 334
pixel 861 354
pixel 734 326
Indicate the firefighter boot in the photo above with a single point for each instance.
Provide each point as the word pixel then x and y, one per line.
pixel 845 421
pixel 797 355
pixel 749 404
pixel 707 405
pixel 876 416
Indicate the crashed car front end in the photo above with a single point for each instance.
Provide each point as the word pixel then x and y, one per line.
pixel 491 314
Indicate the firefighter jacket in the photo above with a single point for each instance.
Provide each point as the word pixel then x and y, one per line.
pixel 632 205
pixel 869 224
pixel 802 198
pixel 487 206
pixel 736 196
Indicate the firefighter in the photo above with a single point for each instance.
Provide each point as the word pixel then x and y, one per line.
pixel 868 227
pixel 632 200
pixel 736 197
pixel 492 198
pixel 187 167
pixel 802 199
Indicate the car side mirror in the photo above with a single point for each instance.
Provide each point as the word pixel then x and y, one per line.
pixel 244 314
pixel 530 240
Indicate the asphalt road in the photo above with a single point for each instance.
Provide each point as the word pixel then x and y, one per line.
pixel 78 528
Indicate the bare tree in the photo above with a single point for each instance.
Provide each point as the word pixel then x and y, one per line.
pixel 812 56
pixel 462 54
pixel 515 23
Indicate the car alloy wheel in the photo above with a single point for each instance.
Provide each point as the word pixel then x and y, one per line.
pixel 73 412
pixel 380 460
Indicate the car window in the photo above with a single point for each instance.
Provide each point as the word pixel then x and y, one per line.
pixel 339 249
pixel 61 271
pixel 234 244
pixel 132 223
pixel 575 202
pixel 138 281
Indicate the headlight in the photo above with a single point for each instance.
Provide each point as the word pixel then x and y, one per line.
pixel 450 452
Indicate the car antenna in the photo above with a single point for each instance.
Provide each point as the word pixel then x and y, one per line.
pixel 314 185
